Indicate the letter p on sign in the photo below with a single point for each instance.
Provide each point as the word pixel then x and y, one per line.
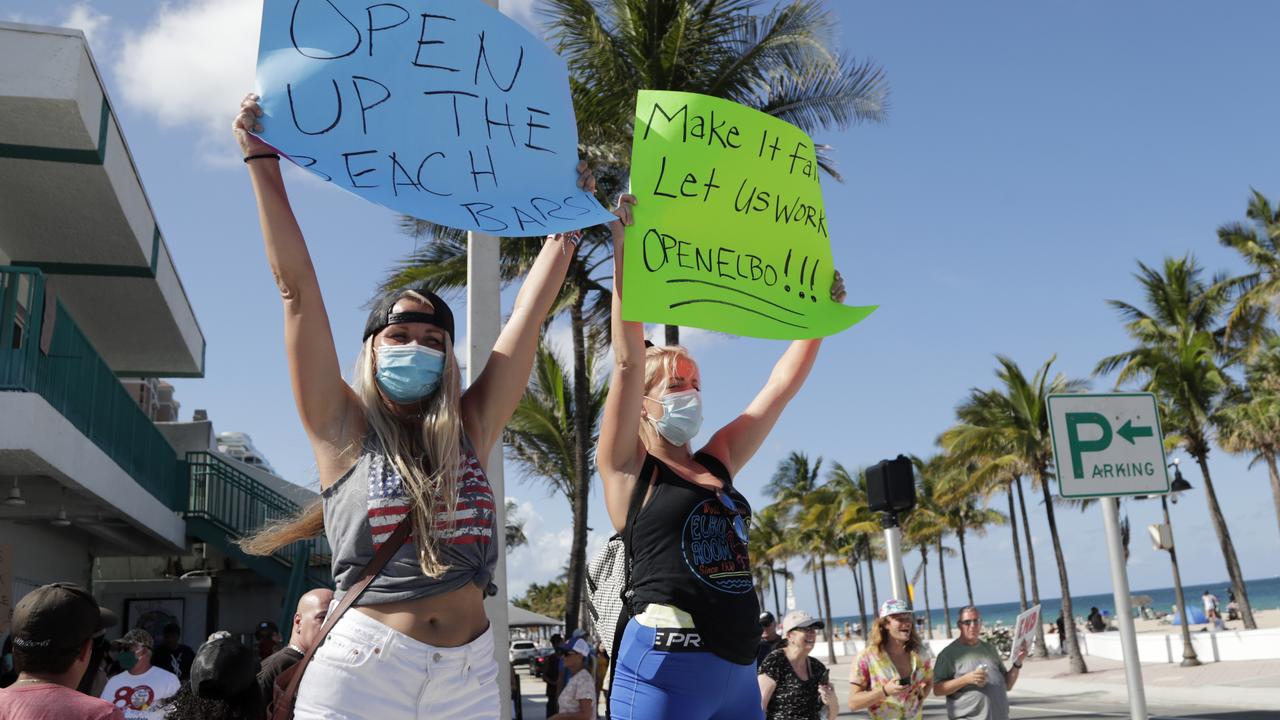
pixel 1078 446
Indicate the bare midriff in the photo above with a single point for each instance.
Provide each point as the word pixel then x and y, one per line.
pixel 449 620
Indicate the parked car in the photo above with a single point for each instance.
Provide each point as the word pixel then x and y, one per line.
pixel 545 657
pixel 522 651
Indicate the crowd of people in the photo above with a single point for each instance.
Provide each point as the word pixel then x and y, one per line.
pixel 66 669
pixel 409 513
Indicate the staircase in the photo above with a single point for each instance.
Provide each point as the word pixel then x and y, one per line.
pixel 225 504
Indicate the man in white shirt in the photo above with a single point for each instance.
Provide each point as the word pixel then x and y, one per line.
pixel 140 691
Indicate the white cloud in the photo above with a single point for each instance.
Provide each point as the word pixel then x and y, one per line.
pixel 547 553
pixel 524 12
pixel 192 65
pixel 92 23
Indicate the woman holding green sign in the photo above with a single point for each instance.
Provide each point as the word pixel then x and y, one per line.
pixel 689 649
pixel 400 452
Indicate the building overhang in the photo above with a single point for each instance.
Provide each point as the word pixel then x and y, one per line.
pixel 57 467
pixel 72 204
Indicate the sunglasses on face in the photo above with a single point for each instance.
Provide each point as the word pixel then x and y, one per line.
pixel 739 527
pixel 965 623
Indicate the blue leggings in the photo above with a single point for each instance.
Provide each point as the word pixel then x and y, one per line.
pixel 651 684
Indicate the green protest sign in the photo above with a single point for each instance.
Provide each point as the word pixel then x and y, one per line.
pixel 730 232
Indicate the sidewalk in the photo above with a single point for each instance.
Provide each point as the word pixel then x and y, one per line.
pixel 1249 684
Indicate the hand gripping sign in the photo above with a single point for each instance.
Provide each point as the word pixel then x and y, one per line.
pixel 443 110
pixel 730 232
pixel 1024 631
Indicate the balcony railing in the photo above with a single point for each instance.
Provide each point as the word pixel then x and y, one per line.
pixel 240 505
pixel 80 385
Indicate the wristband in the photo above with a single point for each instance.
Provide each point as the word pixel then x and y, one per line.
pixel 1017 666
pixel 261 156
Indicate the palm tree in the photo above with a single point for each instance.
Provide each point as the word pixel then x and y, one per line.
pixel 1260 247
pixel 987 409
pixel 1250 424
pixel 820 527
pixel 857 527
pixel 924 527
pixel 515 527
pixel 1179 357
pixel 766 541
pixel 1021 426
pixel 964 513
pixel 783 62
pixel 543 439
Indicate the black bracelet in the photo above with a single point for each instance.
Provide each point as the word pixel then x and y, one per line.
pixel 1017 666
pixel 261 156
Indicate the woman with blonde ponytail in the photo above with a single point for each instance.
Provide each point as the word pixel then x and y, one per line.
pixel 403 440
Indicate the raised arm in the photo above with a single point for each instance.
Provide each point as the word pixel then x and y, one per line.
pixel 490 401
pixel 738 441
pixel 619 453
pixel 323 398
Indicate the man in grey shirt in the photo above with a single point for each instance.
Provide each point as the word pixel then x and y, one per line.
pixel 971 675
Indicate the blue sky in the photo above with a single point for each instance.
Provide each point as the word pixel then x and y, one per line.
pixel 1032 153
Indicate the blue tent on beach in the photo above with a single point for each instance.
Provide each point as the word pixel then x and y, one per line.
pixel 1195 616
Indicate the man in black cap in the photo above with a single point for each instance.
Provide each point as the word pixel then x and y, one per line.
pixel 142 689
pixel 53 631
pixel 172 655
pixel 769 638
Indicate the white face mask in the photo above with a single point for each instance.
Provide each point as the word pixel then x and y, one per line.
pixel 681 416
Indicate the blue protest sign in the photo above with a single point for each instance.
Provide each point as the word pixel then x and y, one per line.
pixel 445 110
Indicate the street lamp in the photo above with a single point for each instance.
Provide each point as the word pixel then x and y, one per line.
pixel 1180 484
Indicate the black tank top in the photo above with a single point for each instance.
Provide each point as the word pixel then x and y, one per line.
pixel 685 552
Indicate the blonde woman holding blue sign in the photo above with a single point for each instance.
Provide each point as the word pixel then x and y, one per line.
pixel 689 650
pixel 401 449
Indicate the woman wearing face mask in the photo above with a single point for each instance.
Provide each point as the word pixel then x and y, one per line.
pixel 690 649
pixel 402 440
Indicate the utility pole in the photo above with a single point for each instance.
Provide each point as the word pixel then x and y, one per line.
pixel 484 320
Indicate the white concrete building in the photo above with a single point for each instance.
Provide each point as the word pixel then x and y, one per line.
pixel 89 295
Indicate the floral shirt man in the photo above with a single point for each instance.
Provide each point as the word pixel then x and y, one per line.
pixel 873 669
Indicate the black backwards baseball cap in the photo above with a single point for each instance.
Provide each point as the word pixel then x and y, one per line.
pixel 57 618
pixel 381 316
pixel 223 669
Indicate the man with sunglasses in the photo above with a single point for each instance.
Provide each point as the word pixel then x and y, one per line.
pixel 971 675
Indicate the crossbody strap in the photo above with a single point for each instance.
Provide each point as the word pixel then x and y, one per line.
pixel 643 481
pixel 370 571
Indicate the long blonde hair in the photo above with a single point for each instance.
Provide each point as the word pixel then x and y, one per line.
pixel 427 455
pixel 880 636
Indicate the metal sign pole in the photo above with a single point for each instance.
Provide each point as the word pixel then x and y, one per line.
pixel 893 553
pixel 1124 613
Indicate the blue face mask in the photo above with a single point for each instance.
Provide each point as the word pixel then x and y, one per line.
pixel 681 416
pixel 408 373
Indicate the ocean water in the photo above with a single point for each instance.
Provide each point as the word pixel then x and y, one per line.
pixel 1264 594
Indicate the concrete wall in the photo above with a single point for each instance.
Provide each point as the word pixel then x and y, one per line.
pixel 246 599
pixel 41 554
pixel 1209 646
pixel 121 595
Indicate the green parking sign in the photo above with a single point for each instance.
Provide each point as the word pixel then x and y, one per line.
pixel 1107 444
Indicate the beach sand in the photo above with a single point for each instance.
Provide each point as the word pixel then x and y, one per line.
pixel 1265 619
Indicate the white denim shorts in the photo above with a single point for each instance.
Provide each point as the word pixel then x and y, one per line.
pixel 365 669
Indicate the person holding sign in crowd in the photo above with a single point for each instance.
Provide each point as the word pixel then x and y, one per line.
pixel 689 650
pixel 971 675
pixel 403 447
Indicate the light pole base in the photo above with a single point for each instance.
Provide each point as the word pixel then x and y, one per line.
pixel 1191 661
